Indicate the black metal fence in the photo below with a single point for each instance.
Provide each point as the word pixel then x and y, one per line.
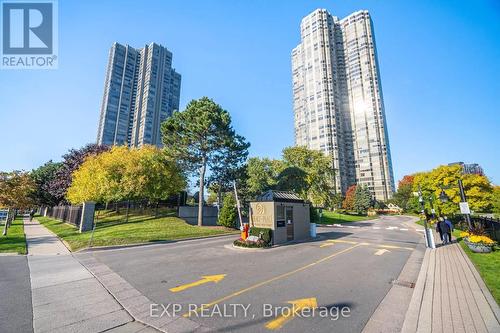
pixel 69 214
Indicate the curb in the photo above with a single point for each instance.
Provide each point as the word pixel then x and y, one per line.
pixel 160 242
pixel 411 318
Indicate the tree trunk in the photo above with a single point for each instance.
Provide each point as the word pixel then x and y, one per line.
pixel 6 226
pixel 128 207
pixel 156 209
pixel 178 203
pixel 200 193
pixel 219 199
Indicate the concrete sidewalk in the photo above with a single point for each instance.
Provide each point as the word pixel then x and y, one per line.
pixel 450 296
pixel 66 297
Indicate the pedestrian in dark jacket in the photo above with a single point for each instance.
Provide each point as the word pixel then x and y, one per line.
pixel 450 226
pixel 438 229
pixel 446 231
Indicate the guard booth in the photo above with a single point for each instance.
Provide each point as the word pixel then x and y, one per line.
pixel 284 213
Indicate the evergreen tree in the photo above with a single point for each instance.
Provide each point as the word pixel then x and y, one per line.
pixel 362 199
pixel 228 213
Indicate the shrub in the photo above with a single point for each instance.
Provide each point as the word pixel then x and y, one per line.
pixel 266 233
pixel 243 243
pixel 313 214
pixel 228 212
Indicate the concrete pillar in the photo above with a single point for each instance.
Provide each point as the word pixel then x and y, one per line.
pixel 87 220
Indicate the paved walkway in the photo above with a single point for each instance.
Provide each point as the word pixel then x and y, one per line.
pixel 66 297
pixel 450 296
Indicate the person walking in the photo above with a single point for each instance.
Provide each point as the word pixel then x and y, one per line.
pixel 445 230
pixel 438 229
pixel 450 226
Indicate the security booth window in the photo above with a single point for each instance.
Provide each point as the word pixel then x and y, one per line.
pixel 280 216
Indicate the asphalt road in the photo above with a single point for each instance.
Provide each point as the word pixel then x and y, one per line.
pixel 344 276
pixel 16 312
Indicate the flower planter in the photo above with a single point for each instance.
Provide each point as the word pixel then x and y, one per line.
pixel 477 247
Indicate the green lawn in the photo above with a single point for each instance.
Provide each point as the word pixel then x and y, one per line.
pixel 111 229
pixel 331 217
pixel 488 266
pixel 15 241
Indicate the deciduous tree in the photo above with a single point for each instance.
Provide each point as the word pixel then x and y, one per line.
pixel 59 185
pixel 16 190
pixel 495 200
pixel 126 174
pixel 348 203
pixel 318 181
pixel 404 193
pixel 478 189
pixel 263 174
pixel 43 176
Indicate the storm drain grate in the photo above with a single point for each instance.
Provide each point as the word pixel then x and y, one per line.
pixel 403 283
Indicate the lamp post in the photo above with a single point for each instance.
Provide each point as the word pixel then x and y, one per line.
pixel 428 232
pixel 463 199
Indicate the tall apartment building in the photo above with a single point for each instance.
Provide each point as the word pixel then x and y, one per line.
pixel 338 102
pixel 470 168
pixel 141 90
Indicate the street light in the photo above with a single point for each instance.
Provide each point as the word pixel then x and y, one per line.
pixel 428 232
pixel 443 196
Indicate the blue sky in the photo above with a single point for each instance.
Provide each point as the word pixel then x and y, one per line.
pixel 439 63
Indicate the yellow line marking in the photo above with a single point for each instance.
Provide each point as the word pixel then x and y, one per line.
pixel 341 241
pixel 260 284
pixel 327 244
pixel 297 305
pixel 205 279
pixel 394 247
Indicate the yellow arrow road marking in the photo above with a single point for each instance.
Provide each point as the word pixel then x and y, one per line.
pixel 366 244
pixel 265 282
pixel 381 252
pixel 205 279
pixel 297 305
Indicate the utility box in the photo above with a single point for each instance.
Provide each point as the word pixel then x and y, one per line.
pixel 285 213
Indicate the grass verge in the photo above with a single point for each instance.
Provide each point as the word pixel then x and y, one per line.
pixel 15 241
pixel 331 217
pixel 111 229
pixel 488 266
